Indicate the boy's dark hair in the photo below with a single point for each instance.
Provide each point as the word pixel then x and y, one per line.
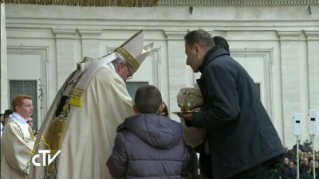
pixel 200 37
pixel 221 42
pixel 148 99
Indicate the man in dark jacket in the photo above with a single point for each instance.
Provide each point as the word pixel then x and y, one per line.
pixel 242 139
pixel 306 173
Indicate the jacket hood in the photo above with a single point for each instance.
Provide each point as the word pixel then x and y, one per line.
pixel 156 130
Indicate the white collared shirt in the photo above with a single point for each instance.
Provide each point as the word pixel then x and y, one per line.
pixel 17 117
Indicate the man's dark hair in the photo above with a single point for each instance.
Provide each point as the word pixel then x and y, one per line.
pixel 148 99
pixel 307 168
pixel 221 42
pixel 201 38
pixel 6 114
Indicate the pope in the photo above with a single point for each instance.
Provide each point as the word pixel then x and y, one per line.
pixel 82 120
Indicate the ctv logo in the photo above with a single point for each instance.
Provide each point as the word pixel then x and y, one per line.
pixel 44 156
pixel 47 158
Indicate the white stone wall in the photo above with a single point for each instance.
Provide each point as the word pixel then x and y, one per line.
pixel 278 45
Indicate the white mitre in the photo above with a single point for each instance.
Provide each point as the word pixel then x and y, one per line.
pixel 192 136
pixel 133 50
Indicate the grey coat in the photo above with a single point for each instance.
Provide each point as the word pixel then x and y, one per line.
pixel 148 146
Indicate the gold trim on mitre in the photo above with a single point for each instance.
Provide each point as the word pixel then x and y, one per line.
pixel 128 57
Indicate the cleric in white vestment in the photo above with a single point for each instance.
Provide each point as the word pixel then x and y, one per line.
pixel 17 140
pixel 83 117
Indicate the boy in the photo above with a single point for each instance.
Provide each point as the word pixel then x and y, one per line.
pixel 148 145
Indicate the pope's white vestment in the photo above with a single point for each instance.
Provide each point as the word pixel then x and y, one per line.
pixel 82 120
pixel 16 143
pixel 91 130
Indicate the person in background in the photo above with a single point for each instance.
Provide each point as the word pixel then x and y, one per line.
pixel 148 145
pixel 221 42
pixel 306 173
pixel 291 170
pixel 6 115
pixel 17 140
pixel 30 121
pixel 233 114
pixel 301 147
pixel 195 138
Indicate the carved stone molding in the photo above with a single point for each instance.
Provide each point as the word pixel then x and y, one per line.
pixel 238 2
pixel 90 34
pixel 43 52
pixel 219 33
pixel 175 35
pixel 312 35
pixel 64 33
pixel 169 25
pixel 289 35
pixel 155 54
pixel 90 42
pixel 179 35
pixel 65 54
pixel 267 56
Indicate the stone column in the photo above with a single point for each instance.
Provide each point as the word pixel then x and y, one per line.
pixel 176 67
pixel 90 43
pixel 313 71
pixel 313 67
pixel 4 75
pixel 290 79
pixel 64 54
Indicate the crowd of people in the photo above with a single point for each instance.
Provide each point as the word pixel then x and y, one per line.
pixel 102 133
pixel 288 168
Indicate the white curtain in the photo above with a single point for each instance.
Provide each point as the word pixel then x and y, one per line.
pixel 4 81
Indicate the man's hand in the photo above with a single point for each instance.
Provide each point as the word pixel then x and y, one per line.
pixel 189 116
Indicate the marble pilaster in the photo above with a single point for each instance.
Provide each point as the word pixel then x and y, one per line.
pixel 313 70
pixel 90 43
pixel 176 67
pixel 64 54
pixel 290 77
pixel 313 67
pixel 4 79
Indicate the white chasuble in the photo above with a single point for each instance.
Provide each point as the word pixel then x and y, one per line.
pixel 16 144
pixel 89 131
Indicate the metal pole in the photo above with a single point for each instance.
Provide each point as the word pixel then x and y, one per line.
pixel 298 157
pixel 313 157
